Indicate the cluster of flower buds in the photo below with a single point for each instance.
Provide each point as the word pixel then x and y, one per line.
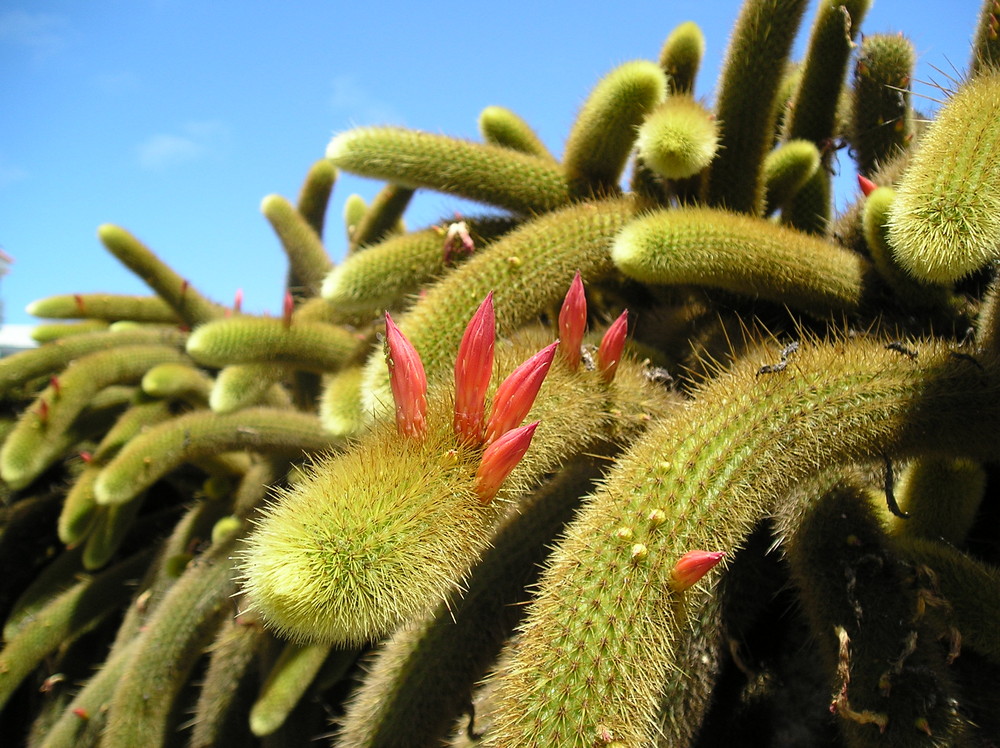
pixel 503 439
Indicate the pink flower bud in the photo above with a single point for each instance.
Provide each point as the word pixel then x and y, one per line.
pixel 516 394
pixel 238 300
pixel 609 352
pixel 867 185
pixel 408 381
pixel 473 369
pixel 692 566
pixel 573 322
pixel 500 458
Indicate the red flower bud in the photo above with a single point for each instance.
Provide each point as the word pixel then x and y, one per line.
pixel 408 381
pixel 500 458
pixel 473 369
pixel 867 185
pixel 573 322
pixel 692 566
pixel 516 394
pixel 609 352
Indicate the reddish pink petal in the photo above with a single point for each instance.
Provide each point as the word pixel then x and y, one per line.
pixel 238 300
pixel 287 307
pixel 516 394
pixel 867 185
pixel 408 382
pixel 609 352
pixel 573 322
pixel 692 566
pixel 473 369
pixel 500 458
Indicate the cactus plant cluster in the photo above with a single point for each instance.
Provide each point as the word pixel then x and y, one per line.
pixel 656 450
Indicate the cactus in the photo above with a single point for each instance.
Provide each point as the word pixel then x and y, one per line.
pixel 654 451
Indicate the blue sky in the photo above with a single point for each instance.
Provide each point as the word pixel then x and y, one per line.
pixel 174 118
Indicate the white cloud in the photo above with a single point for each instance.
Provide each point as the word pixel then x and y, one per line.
pixel 358 105
pixel 43 34
pixel 196 140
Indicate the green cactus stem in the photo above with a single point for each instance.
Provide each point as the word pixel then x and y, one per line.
pixel 398 701
pixel 747 99
pixel 314 197
pixel 228 689
pixel 34 443
pixel 486 173
pixel 169 645
pixel 243 385
pixel 680 57
pixel 308 261
pixel 382 218
pixel 64 618
pixel 390 272
pixel 187 303
pixel 290 677
pixel 83 720
pixel 157 451
pixel 939 497
pixel 809 210
pixel 58 576
pixel 969 586
pixel 340 404
pixel 305 345
pixel 177 382
pixel 881 115
pixel 48 333
pixel 890 681
pixel 746 255
pixel 814 108
pixel 599 641
pixel 909 291
pixel 786 170
pixel 504 128
pixel 103 306
pixel 604 131
pixel 985 45
pixel 945 219
pixel 22 367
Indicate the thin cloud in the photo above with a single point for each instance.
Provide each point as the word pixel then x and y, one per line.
pixel 43 34
pixel 116 83
pixel 358 105
pixel 10 173
pixel 195 141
